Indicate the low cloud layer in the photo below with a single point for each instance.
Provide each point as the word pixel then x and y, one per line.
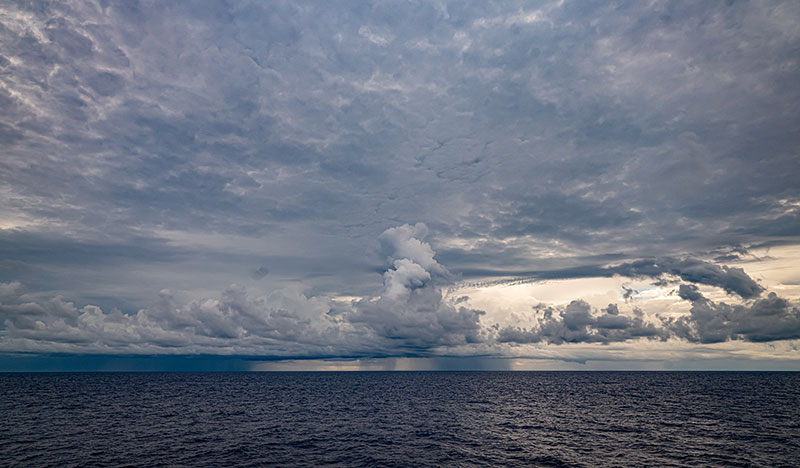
pixel 411 315
pixel 280 324
pixel 408 315
pixel 771 318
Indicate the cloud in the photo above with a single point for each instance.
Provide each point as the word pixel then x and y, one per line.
pixel 376 37
pixel 411 311
pixel 731 279
pixel 409 315
pixel 405 242
pixel 282 323
pixel 260 272
pixel 182 148
pixel 576 323
pixel 10 290
pixel 767 319
pixel 158 109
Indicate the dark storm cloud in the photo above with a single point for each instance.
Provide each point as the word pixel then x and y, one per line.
pixel 767 319
pixel 731 279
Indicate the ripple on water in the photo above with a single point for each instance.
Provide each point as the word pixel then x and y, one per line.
pixel 401 419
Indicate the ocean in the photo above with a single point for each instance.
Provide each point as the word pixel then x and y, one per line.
pixel 401 419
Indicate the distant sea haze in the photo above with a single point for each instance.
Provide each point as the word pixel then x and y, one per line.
pixel 401 419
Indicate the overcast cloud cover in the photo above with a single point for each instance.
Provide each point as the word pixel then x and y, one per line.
pixel 566 182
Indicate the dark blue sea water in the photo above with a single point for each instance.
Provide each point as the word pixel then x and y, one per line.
pixel 401 419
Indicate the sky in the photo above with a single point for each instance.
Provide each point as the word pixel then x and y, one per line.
pixel 399 185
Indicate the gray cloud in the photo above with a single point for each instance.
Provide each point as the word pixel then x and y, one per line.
pixel 771 318
pixel 10 290
pixel 409 315
pixel 280 324
pixel 731 279
pixel 768 319
pixel 411 310
pixel 576 323
pixel 172 107
pixel 260 272
pixel 148 146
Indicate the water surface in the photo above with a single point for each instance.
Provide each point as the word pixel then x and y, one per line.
pixel 401 419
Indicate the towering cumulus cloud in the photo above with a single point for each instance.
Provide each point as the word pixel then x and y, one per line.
pixel 411 312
